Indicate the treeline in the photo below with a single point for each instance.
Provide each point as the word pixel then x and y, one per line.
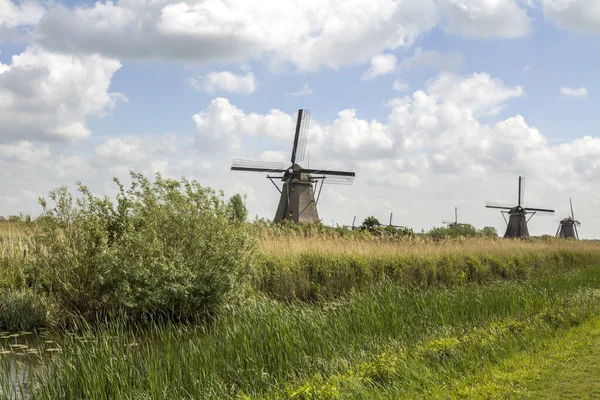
pixel 372 227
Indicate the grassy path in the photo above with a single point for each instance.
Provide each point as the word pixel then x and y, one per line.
pixel 565 368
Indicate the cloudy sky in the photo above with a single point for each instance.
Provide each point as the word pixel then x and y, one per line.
pixel 433 103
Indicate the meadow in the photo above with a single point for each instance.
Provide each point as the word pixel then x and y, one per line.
pixel 168 293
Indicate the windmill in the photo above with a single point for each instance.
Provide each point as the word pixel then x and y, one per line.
pixel 568 226
pixel 297 195
pixel 395 226
pixel 516 226
pixel 455 222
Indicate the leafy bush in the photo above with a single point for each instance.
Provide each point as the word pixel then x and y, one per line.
pixel 370 224
pixel 165 247
pixel 22 310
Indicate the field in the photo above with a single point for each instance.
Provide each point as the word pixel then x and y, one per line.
pixel 164 302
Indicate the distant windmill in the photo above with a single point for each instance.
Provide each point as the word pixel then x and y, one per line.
pixel 568 226
pixel 516 226
pixel 395 226
pixel 455 222
pixel 297 196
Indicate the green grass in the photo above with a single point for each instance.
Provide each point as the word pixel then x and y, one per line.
pixel 566 366
pixel 381 341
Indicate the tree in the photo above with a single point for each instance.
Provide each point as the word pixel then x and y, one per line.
pixel 370 224
pixel 489 231
pixel 236 210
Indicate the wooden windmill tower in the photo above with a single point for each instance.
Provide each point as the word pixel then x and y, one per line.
pixel 568 226
pixel 297 195
pixel 455 222
pixel 516 226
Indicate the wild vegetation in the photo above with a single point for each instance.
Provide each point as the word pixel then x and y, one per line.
pixel 166 292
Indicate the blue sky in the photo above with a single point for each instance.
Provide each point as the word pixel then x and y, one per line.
pixel 90 102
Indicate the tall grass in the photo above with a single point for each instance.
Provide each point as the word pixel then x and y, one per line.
pixel 321 266
pixel 269 349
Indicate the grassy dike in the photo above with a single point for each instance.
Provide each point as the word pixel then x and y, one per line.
pixel 385 340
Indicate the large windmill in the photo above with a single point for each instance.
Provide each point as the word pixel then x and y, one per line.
pixel 297 195
pixel 516 226
pixel 568 226
pixel 455 222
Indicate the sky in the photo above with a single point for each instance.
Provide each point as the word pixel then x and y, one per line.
pixel 434 104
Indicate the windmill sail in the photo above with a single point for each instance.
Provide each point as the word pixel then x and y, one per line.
pixel 299 147
pixel 303 136
pixel 239 164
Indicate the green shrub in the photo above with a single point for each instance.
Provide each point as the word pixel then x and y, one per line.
pixel 165 247
pixel 22 310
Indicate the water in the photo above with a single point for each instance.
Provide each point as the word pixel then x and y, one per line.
pixel 19 352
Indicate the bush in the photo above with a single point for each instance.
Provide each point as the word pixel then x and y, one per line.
pixel 22 310
pixel 167 247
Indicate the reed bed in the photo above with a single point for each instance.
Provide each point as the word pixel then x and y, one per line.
pixel 321 266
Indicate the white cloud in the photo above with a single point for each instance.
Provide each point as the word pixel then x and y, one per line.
pixel 310 35
pixel 24 152
pixel 450 61
pixel 400 86
pixel 574 92
pixel 577 15
pixel 47 96
pixel 305 90
pixel 486 18
pixel 15 16
pixel 226 81
pixel 479 92
pixel 222 126
pixel 381 64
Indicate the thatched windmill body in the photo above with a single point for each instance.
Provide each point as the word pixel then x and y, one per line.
pixel 568 226
pixel 516 225
pixel 450 224
pixel 297 194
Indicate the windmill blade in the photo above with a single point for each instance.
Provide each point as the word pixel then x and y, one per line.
pixel 521 190
pixel 328 172
pixel 336 179
pixel 539 210
pixel 577 223
pixel 448 222
pixel 299 146
pixel 303 136
pixel 572 213
pixel 498 205
pixel 257 166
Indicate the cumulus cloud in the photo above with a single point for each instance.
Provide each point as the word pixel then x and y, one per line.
pixel 17 17
pixel 577 15
pixel 486 18
pixel 574 92
pixel 47 96
pixel 227 82
pixel 305 90
pixel 381 64
pixel 309 35
pixel 222 125
pixel 481 93
pixel 399 86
